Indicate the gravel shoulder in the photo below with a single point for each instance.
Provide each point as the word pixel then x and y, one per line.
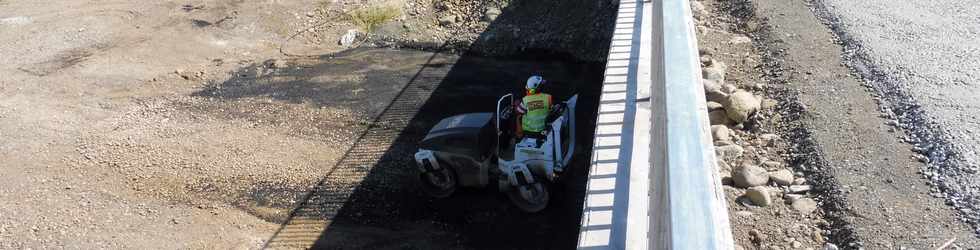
pixel 883 199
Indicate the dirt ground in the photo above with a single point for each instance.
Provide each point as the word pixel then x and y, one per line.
pixel 180 124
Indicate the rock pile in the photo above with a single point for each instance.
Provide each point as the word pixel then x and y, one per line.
pixel 729 108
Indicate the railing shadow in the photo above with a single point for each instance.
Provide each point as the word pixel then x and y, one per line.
pixel 371 199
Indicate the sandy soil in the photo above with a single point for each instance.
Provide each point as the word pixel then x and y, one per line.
pixel 167 124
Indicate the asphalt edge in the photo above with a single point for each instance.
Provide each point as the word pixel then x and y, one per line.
pixel 942 163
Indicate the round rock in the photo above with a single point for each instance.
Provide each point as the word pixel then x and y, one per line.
pixel 715 72
pixel 718 117
pixel 750 176
pixel 720 133
pixel 782 177
pixel 759 196
pixel 730 153
pixel 712 106
pixel 740 105
pixel 713 92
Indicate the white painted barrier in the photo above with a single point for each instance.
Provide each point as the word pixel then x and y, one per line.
pixel 653 181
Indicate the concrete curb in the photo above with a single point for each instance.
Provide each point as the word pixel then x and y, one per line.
pixel 653 181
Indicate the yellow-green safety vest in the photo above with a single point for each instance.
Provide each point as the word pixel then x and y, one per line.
pixel 538 106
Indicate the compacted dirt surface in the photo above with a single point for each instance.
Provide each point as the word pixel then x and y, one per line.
pixel 217 124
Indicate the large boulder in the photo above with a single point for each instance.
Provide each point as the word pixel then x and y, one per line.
pixel 740 105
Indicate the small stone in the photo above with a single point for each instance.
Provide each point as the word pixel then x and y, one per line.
pixel 743 214
pixel 712 91
pixel 756 236
pixel 720 133
pixel 729 88
pixel 804 205
pixel 718 117
pixel 750 176
pixel 447 20
pixel 715 72
pixel 797 244
pixel 491 14
pixel 768 138
pixel 781 177
pixel 729 153
pixel 705 61
pixel 799 181
pixel 706 51
pixel 830 246
pixel 712 106
pixel 790 198
pixel 277 64
pixel 725 173
pixel 740 40
pixel 740 105
pixel 795 189
pixel 772 164
pixel 348 38
pixel 759 196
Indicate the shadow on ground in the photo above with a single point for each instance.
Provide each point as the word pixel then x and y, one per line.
pixel 370 198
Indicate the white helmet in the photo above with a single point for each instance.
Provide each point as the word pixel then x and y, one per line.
pixel 533 82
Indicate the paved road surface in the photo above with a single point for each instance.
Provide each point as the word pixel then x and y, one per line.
pixel 924 53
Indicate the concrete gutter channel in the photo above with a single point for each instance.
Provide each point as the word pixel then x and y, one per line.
pixel 653 182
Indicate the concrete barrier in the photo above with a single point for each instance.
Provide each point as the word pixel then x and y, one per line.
pixel 653 181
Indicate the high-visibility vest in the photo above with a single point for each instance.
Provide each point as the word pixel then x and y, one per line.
pixel 538 106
